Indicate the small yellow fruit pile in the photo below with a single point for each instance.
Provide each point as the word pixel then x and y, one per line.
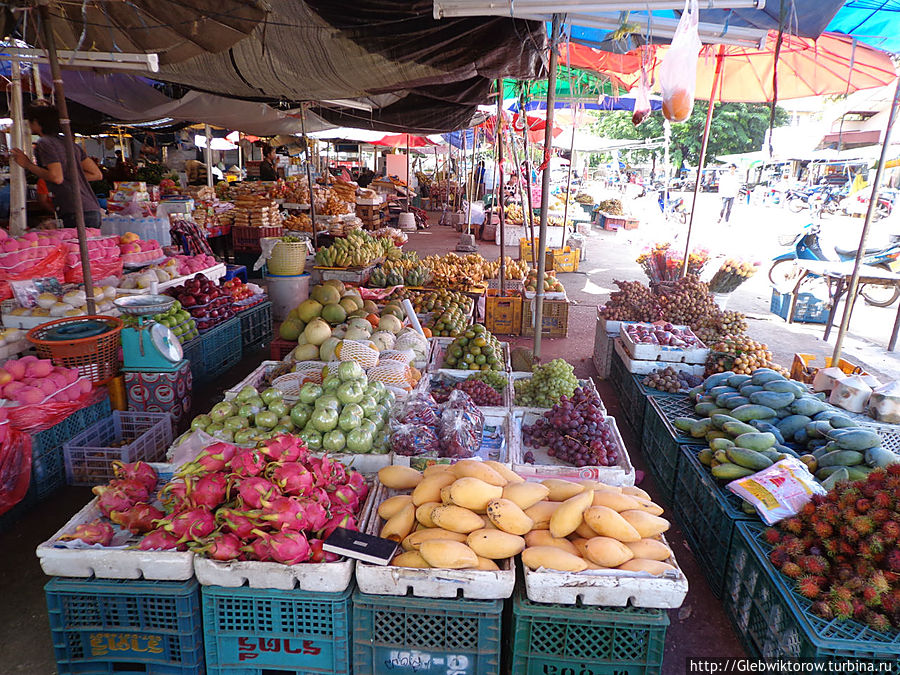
pixel 472 514
pixel 515 269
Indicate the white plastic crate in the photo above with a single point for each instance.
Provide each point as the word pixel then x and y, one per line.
pixel 90 454
pixel 431 583
pixel 545 466
pixel 333 577
pixel 610 588
pixel 650 352
pixel 638 367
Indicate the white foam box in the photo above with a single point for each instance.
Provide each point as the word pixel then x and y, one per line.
pixel 610 588
pixel 332 577
pixel 639 367
pixel 514 377
pixel 440 345
pixel 650 352
pixel 545 466
pixel 431 583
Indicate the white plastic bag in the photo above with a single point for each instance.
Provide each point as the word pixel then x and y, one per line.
pixel 642 100
pixel 779 491
pixel 678 72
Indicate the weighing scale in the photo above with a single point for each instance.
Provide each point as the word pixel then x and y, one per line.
pixel 150 346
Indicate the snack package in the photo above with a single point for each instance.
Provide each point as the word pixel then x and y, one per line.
pixel 779 491
pixel 678 72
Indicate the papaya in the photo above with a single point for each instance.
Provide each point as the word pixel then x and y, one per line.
pixel 738 428
pixel 755 441
pixel 700 427
pixel 737 380
pixel 842 422
pixel 807 405
pixel 750 388
pixel 856 439
pixel 841 458
pixel 683 423
pixel 839 476
pixel 858 472
pixel 791 424
pixel 785 387
pixel 763 376
pixel 766 427
pixel 704 408
pixel 721 443
pixel 705 456
pixel 752 411
pixel 721 389
pixel 719 421
pixel 736 401
pixel 717 379
pixel 880 457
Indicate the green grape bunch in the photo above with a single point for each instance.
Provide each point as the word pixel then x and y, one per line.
pixel 546 385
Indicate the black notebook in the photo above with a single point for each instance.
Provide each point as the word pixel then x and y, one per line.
pixel 361 546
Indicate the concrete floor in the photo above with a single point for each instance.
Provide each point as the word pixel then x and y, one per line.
pixel 699 628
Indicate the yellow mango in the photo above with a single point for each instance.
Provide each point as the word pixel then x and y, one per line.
pixel 566 519
pixel 634 491
pixel 486 565
pixel 480 470
pixel 445 496
pixel 423 513
pixel 429 490
pixel 608 523
pixel 540 514
pixel 456 519
pixel 506 516
pixel 561 490
pixel 580 543
pixel 650 507
pixel 525 494
pixel 510 475
pixel 399 477
pixel 646 524
pixel 473 493
pixel 614 500
pixel 400 524
pixel 495 544
pixel 434 469
pixel 650 549
pixel 654 567
pixel 544 538
pixel 409 559
pixel 390 506
pixel 584 530
pixel 552 558
pixel 448 554
pixel 414 540
pixel 607 552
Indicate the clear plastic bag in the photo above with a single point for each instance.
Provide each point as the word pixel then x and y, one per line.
pixel 642 108
pixel 420 408
pixel 678 72
pixel 462 402
pixel 414 439
pixel 460 434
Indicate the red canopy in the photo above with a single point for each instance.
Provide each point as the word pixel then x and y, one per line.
pixel 403 140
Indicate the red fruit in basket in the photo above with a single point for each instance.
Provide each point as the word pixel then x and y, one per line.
pixel 329 473
pixel 161 540
pixel 187 300
pixel 134 489
pixel 344 496
pixel 222 546
pixel 316 515
pixel 292 478
pixel 286 448
pixel 342 519
pixel 173 495
pixel 316 552
pixel 240 523
pixel 247 463
pixel 111 499
pixel 257 492
pixel 139 471
pixel 95 532
pixel 357 482
pixel 209 490
pixel 193 524
pixel 212 459
pixel 139 518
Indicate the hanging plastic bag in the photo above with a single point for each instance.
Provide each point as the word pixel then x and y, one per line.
pixel 678 72
pixel 642 99
pixel 15 468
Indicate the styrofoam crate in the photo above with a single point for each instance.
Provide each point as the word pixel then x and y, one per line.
pixel 431 583
pixel 639 367
pixel 609 587
pixel 332 577
pixel 498 443
pixel 622 473
pixel 645 352
pixel 439 345
pixel 518 375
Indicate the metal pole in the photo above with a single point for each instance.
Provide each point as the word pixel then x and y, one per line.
pixel 873 202
pixel 63 110
pixel 720 57
pixel 569 175
pixel 529 203
pixel 469 177
pixel 312 200
pixel 545 190
pixel 209 177
pixel 18 217
pixel 502 189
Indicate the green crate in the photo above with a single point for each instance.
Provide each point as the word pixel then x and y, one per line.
pixel 660 441
pixel 427 636
pixel 571 640
pixel 773 621
pixel 707 513
pixel 631 398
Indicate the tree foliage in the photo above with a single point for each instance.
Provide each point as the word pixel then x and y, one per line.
pixel 736 127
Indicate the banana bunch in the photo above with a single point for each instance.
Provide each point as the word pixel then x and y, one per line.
pixel 418 276
pixel 357 249
pixel 454 271
pixel 515 269
pixel 514 214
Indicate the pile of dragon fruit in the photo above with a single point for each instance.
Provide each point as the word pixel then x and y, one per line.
pixel 272 503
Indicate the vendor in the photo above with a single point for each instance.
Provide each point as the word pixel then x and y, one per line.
pixel 50 153
pixel 267 170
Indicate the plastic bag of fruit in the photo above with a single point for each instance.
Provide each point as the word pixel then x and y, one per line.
pixel 460 401
pixel 420 408
pixel 15 468
pixel 394 374
pixel 779 491
pixel 678 72
pixel 460 434
pixel 414 439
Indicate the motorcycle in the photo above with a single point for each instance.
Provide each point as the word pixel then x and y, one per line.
pixel 807 247
pixel 672 208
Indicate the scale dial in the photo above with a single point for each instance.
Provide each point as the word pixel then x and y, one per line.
pixel 166 343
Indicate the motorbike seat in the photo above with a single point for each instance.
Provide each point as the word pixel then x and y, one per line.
pixel 852 251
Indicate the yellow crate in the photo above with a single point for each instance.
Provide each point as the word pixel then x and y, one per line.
pixel 560 260
pixel 555 319
pixel 502 314
pixel 803 371
pixel 526 248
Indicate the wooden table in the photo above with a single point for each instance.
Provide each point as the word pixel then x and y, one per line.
pixel 837 275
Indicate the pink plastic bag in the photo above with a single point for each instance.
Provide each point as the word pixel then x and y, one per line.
pixel 678 72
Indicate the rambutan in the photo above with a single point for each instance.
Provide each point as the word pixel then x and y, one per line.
pixel 814 564
pixel 842 609
pixel 880 516
pixel 892 561
pixel 890 530
pixel 830 513
pixel 817 500
pixel 851 534
pixel 883 500
pixel 863 505
pixel 871 597
pixel 845 548
pixel 810 587
pixel 807 510
pixel 863 567
pixel 792 570
pixel 793 546
pixel 779 557
pixel 878 581
pixel 772 536
pixel 841 593
pixel 793 525
pixel 863 525
pixel 859 608
pixel 823 529
pixel 822 609
pixel 893 469
pixel 877 621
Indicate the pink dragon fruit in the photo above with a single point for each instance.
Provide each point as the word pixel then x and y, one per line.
pixel 173 495
pixel 111 499
pixel 292 478
pixel 318 554
pixel 160 540
pixel 357 482
pixel 223 546
pixel 343 495
pixel 316 516
pixel 193 524
pixel 256 492
pixel 95 532
pixel 284 449
pixel 285 513
pixel 212 459
pixel 209 490
pixel 345 520
pixel 240 523
pixel 288 548
pixel 329 473
pixel 319 495
pixel 139 471
pixel 139 518
pixel 258 549
pixel 247 463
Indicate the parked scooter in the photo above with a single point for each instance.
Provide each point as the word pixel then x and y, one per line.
pixel 806 246
pixel 672 208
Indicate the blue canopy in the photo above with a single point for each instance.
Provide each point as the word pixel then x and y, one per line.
pixel 874 22
pixel 455 138
pixel 605 103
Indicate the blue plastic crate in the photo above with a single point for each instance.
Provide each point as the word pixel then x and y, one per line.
pixel 773 621
pixel 660 440
pixel 193 352
pixel 126 626
pixel 253 631
pixel 567 639
pixel 809 309
pixel 426 636
pixel 220 349
pixel 256 326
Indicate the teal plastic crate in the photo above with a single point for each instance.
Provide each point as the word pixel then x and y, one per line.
pixel 631 398
pixel 220 349
pixel 809 308
pixel 193 352
pixel 707 512
pixel 660 440
pixel 773 621
pixel 256 326
pixel 102 626
pixel 254 631
pixel 440 636
pixel 572 640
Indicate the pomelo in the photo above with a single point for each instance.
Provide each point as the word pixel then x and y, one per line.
pixel 309 310
pixel 291 329
pixel 334 313
pixel 306 353
pixel 326 295
pixel 317 331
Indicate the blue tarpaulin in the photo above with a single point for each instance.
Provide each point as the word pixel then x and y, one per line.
pixel 455 138
pixel 605 103
pixel 874 22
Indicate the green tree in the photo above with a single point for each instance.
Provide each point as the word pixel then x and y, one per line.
pixel 736 127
